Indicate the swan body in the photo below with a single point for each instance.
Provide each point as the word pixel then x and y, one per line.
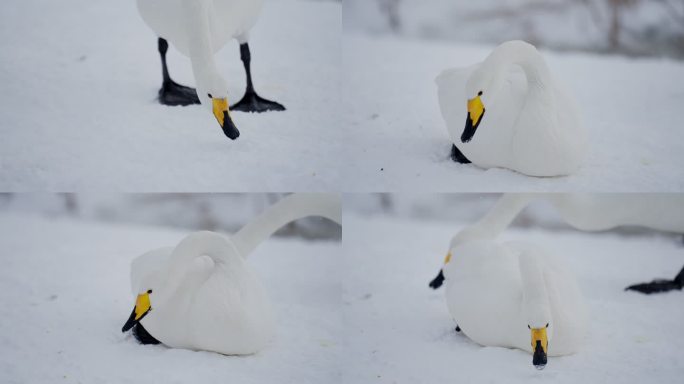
pixel 204 297
pixel 226 20
pixel 202 294
pixel 516 114
pixel 495 291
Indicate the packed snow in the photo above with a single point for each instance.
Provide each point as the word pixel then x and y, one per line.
pixel 65 294
pixel 78 109
pixel 400 330
pixel 631 108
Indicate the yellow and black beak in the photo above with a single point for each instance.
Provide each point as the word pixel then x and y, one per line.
pixel 141 309
pixel 540 345
pixel 222 114
pixel 439 279
pixel 476 111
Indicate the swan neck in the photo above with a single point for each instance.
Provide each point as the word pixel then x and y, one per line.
pixel 502 214
pixel 286 210
pixel 527 57
pixel 201 50
pixel 535 298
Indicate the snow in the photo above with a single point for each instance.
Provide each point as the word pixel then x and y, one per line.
pixel 78 105
pixel 65 293
pixel 400 331
pixel 631 108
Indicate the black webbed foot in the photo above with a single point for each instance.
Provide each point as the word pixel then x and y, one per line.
pixel 659 285
pixel 438 280
pixel 457 156
pixel 174 94
pixel 251 102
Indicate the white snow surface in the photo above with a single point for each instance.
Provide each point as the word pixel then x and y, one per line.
pixel 65 294
pixel 631 108
pixel 78 109
pixel 400 331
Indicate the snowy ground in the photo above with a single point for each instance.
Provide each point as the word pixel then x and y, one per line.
pixel 400 331
pixel 632 109
pixel 78 109
pixel 64 295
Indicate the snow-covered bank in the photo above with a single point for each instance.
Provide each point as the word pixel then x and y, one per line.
pixel 401 331
pixel 631 109
pixel 64 295
pixel 78 109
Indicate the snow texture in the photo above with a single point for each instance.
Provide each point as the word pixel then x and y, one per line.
pixel 65 293
pixel 78 109
pixel 400 331
pixel 631 108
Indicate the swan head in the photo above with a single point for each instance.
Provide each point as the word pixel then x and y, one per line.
pixel 213 93
pixel 140 310
pixel 477 92
pixel 540 345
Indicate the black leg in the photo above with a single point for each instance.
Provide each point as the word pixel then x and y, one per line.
pixel 659 285
pixel 172 93
pixel 438 280
pixel 251 102
pixel 457 156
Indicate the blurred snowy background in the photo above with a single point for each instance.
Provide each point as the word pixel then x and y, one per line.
pixel 632 27
pixel 458 209
pixel 226 212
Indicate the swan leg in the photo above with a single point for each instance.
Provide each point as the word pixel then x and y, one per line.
pixel 172 93
pixel 438 280
pixel 659 285
pixel 251 102
pixel 457 156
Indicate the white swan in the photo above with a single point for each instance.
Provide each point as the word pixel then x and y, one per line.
pixel 587 212
pixel 516 115
pixel 198 29
pixel 202 295
pixel 515 295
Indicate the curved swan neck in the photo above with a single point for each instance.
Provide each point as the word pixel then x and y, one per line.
pixel 502 214
pixel 523 54
pixel 289 209
pixel 536 307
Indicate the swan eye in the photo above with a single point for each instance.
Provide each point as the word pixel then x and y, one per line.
pixel 210 96
pixel 479 93
pixel 547 325
pixel 149 291
pixel 528 326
